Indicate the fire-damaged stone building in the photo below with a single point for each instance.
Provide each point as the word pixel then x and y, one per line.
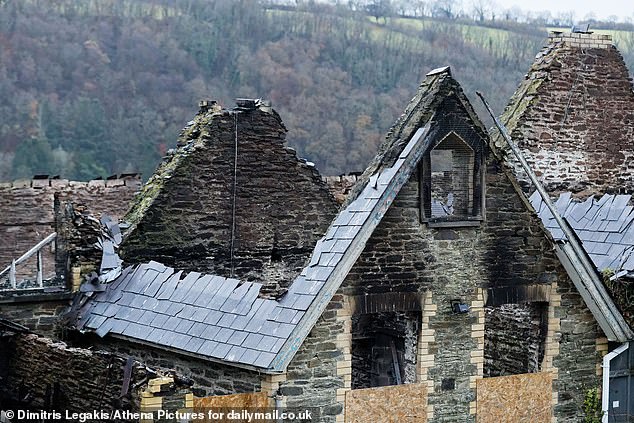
pixel 434 293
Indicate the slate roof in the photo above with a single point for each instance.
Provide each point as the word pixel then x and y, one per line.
pixel 603 225
pixel 224 319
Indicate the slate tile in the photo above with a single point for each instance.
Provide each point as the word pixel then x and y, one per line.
pixel 286 316
pixel 207 348
pixel 213 317
pixel 220 351
pixel 150 303
pixel 211 332
pixel 162 306
pixel 198 329
pixel 343 218
pixel 171 324
pixel 184 326
pixel 264 360
pixel 99 308
pixel 194 344
pixel 227 287
pixel 167 289
pixel 235 353
pixel 266 343
pixel 118 326
pixel 240 322
pixel 155 286
pixel 135 330
pixel 187 312
pixel 224 334
pixel 253 341
pixel 200 314
pixel 126 299
pixel 174 309
pixel 179 340
pixel 279 343
pixel 341 246
pixel 347 232
pixel 249 356
pixel 135 314
pixel 237 338
pixel 211 289
pixel 283 330
pixel 138 301
pixel 95 321
pixel 105 328
pixel 156 335
pixel 270 328
pixel 246 302
pixel 303 302
pixel 183 287
pixel 298 317
pixel 147 318
pixel 319 273
pixel 159 320
pixel 226 320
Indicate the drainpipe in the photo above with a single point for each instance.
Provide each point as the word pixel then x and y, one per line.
pixel 605 392
pixel 278 407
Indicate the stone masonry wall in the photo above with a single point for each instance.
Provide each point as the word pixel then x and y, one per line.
pixel 185 214
pixel 573 116
pixel 320 370
pixel 40 313
pixel 207 378
pixel 57 377
pixel 28 213
pixel 507 249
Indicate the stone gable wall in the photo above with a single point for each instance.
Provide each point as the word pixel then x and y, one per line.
pixel 184 216
pixel 573 116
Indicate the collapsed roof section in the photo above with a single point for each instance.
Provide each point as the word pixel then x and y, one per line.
pixel 573 117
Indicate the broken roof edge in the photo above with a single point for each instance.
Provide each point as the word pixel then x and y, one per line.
pixel 202 357
pixel 437 86
pixel 395 178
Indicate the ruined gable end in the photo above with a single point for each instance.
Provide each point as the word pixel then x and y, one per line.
pixel 232 199
pixel 572 116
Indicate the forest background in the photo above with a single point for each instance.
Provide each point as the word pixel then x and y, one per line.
pixel 92 88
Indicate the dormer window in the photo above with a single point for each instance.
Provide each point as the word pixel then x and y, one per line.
pixel 451 182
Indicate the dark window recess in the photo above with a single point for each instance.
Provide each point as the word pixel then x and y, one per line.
pixel 451 181
pixel 514 338
pixel 384 349
pixel 448 384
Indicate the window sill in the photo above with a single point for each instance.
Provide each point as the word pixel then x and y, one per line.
pixel 453 223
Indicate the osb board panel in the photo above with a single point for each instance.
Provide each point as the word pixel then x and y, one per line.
pixel 389 404
pixel 258 401
pixel 515 399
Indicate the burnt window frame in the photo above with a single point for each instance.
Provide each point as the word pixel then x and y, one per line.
pixel 475 215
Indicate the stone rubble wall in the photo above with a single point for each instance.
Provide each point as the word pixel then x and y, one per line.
pixel 58 377
pixel 573 117
pixel 186 216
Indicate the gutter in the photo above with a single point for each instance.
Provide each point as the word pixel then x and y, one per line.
pixel 605 391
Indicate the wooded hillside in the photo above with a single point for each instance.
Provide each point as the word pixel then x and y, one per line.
pixel 93 88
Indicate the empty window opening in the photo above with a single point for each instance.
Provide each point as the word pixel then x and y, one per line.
pixel 515 338
pixel 451 181
pixel 384 349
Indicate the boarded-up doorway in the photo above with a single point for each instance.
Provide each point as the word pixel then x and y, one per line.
pixel 389 404
pixel 517 398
